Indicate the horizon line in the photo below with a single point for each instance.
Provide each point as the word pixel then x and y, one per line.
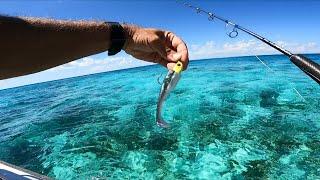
pixel 137 68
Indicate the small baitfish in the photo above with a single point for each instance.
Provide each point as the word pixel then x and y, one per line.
pixel 169 83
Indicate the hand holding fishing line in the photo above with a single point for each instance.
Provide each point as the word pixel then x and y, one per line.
pixel 47 43
pixel 156 46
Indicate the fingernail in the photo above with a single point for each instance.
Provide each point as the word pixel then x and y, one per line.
pixel 177 56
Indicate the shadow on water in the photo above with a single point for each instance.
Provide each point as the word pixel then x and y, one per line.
pixel 268 98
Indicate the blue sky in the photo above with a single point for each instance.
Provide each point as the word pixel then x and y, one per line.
pixel 293 24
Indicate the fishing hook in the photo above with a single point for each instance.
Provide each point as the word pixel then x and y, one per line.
pixel 158 79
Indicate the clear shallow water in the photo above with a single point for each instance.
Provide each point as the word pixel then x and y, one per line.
pixel 230 118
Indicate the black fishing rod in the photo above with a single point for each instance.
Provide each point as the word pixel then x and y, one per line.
pixel 308 66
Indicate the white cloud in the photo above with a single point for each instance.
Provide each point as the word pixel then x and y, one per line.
pixel 2 84
pixel 210 49
pixel 94 65
pixel 84 66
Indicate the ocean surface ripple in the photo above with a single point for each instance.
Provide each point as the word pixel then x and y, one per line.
pixel 231 118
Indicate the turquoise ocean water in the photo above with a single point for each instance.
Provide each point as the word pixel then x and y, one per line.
pixel 231 118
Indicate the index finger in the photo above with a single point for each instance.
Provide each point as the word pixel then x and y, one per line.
pixel 180 47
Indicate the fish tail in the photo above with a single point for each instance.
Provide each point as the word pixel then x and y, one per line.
pixel 162 123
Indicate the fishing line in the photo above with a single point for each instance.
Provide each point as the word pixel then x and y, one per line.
pixel 264 63
pixel 158 79
pixel 290 84
pixel 311 68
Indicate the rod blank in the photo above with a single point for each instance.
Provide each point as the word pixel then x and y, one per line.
pixel 308 66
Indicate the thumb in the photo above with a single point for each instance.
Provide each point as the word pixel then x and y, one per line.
pixel 176 57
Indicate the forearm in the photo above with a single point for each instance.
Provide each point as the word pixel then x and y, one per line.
pixel 31 45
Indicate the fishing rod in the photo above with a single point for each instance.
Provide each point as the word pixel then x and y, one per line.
pixel 311 68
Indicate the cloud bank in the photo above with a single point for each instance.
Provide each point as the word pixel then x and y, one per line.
pixel 205 50
pixel 210 49
pixel 96 65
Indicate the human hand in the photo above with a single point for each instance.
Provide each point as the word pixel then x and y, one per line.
pixel 153 45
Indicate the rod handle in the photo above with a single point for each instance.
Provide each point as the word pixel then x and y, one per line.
pixel 308 66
